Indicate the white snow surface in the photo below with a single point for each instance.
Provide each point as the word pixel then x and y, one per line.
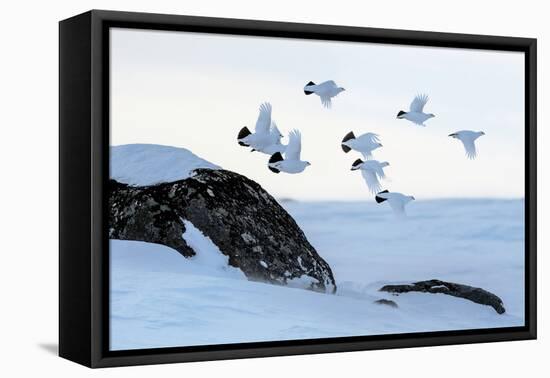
pixel 150 164
pixel 161 299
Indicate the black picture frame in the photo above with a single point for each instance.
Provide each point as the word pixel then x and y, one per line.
pixel 84 173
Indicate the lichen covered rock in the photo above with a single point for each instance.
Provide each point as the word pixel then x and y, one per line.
pixel 244 221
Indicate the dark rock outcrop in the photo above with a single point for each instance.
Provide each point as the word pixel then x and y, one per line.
pixel 143 214
pixel 474 294
pixel 386 302
pixel 238 215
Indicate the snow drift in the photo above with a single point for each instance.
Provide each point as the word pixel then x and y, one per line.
pixel 161 299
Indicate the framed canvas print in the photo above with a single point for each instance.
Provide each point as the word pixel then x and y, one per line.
pixel 235 188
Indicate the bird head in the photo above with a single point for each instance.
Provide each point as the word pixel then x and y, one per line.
pixel 357 164
pixel 401 114
pixel 252 150
pixel 411 198
pixel 384 164
pixel 453 135
pixel 308 163
pixel 481 133
pixel 431 115
pixel 341 89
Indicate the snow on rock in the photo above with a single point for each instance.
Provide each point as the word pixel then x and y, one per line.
pixel 150 164
pixel 208 254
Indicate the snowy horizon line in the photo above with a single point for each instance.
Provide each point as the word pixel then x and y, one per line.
pixel 427 199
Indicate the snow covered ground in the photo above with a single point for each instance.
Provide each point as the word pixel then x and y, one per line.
pixel 160 299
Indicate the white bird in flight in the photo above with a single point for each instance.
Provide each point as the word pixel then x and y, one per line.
pixel 416 112
pixel 468 138
pixel 364 144
pixel 397 201
pixel 372 171
pixel 291 163
pixel 266 135
pixel 326 91
pixel 275 138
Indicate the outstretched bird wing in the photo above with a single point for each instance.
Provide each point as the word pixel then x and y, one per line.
pixel 367 155
pixel 371 137
pixel 397 206
pixel 274 133
pixel 417 105
pixel 371 180
pixel 375 166
pixel 325 100
pixel 294 147
pixel 264 119
pixel 469 147
pixel 326 85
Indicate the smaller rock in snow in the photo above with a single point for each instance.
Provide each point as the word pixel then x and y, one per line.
pixel 386 302
pixel 474 294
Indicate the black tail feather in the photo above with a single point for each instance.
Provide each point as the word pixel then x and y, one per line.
pixel 243 134
pixel 380 199
pixel 357 162
pixel 348 136
pixel 308 92
pixel 276 157
pixel 275 170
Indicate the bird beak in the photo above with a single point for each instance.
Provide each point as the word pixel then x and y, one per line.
pixel 452 135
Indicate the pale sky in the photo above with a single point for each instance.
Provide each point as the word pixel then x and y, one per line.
pixel 197 91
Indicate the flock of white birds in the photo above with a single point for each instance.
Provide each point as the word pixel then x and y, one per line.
pixel 266 139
